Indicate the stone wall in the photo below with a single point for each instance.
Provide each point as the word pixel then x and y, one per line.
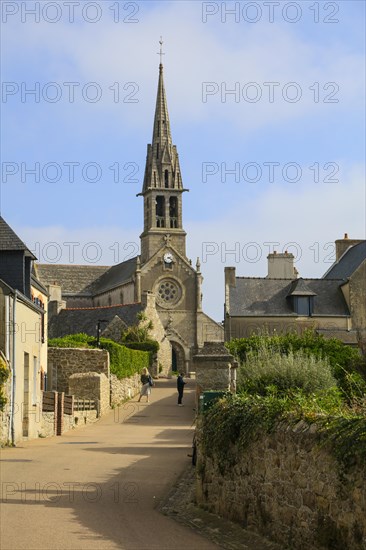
pixel 215 369
pixel 91 385
pixel 70 422
pixel 290 490
pixel 47 428
pixel 63 362
pixel 124 389
pixel 357 290
pixel 5 414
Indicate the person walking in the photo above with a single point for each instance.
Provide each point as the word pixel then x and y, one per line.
pixel 180 387
pixel 147 384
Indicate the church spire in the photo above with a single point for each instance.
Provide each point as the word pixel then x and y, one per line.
pixel 162 163
pixel 162 188
pixel 161 132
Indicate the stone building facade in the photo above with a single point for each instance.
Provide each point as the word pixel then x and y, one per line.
pixel 334 305
pixel 163 270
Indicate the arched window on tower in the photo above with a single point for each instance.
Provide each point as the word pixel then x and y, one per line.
pixel 154 178
pixel 173 212
pixel 147 212
pixel 166 178
pixel 157 150
pixel 160 211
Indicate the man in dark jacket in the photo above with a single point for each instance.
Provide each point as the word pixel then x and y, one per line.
pixel 180 387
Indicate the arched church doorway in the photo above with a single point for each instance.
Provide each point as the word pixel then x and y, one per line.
pixel 178 358
pixel 174 361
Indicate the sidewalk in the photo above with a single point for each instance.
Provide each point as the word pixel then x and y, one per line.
pixel 99 487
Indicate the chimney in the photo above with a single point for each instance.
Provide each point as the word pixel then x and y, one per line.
pixel 148 299
pixel 230 276
pixel 230 282
pixel 343 244
pixel 281 266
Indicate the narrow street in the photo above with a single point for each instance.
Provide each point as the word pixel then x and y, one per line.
pixel 98 487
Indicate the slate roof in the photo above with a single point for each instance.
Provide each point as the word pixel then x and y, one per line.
pixel 86 280
pixel 348 262
pixel 37 284
pixel 73 321
pixel 115 276
pixel 267 297
pixel 9 241
pixel 74 279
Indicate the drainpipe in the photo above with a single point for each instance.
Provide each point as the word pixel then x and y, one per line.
pixel 13 377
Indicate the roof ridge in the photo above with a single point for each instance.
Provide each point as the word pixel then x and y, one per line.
pixel 290 280
pixel 72 265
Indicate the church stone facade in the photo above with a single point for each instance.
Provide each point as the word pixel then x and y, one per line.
pixel 163 271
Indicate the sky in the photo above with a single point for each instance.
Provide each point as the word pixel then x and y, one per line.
pixel 266 103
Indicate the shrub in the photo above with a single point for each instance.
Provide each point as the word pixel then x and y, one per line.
pixel 139 332
pixel 339 354
pixel 4 375
pixel 267 370
pixel 80 340
pixel 343 360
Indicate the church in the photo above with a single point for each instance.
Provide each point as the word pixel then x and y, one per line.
pixel 162 281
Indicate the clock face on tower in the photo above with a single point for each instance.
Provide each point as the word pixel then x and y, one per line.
pixel 168 258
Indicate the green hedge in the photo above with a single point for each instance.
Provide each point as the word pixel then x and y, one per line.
pixel 124 362
pixel 150 345
pixel 71 341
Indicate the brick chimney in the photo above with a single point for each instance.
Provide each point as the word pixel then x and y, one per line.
pixel 343 244
pixel 281 266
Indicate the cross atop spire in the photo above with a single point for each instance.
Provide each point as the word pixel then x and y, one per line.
pixel 161 53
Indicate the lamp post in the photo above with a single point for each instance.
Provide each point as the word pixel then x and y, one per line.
pixel 99 330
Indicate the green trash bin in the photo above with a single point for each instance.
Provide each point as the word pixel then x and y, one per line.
pixel 209 397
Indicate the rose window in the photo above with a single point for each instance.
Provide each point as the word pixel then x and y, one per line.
pixel 169 293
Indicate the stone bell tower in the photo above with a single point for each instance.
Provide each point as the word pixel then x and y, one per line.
pixel 162 187
pixel 164 270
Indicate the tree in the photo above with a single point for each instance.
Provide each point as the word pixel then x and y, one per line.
pixel 140 331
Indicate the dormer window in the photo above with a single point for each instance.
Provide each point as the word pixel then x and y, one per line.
pixel 302 298
pixel 303 305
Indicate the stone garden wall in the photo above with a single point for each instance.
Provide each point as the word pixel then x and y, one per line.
pixel 91 385
pixel 47 428
pixel 124 389
pixel 290 490
pixel 63 362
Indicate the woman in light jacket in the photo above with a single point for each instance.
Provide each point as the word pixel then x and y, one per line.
pixel 146 382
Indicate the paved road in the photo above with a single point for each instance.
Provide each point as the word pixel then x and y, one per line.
pixel 98 487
